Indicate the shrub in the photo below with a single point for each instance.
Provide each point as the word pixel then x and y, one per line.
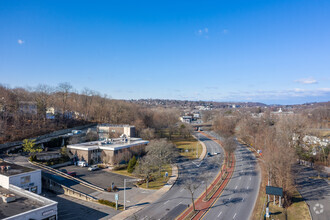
pixel 131 164
pixel 120 167
pixel 115 189
pixel 107 202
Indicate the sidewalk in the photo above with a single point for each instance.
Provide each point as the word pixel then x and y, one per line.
pixel 150 199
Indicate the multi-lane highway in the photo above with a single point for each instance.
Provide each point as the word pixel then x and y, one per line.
pixel 238 199
pixel 176 200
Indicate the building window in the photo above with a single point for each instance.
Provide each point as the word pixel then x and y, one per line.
pixel 25 179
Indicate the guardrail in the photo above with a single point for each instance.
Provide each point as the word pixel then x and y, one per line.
pixel 50 184
pixel 57 172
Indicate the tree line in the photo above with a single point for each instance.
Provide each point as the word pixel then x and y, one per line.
pixel 73 108
pixel 280 139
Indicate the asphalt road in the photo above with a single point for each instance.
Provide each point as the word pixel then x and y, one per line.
pixel 238 199
pixel 316 192
pixel 177 199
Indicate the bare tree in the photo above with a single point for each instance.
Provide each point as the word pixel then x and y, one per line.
pixel 145 168
pixel 64 90
pixel 319 168
pixel 191 185
pixel 148 134
pixel 162 152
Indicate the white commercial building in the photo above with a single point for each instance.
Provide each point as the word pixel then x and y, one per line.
pixel 19 204
pixel 19 189
pixel 23 177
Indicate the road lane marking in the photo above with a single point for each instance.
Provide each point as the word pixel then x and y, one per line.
pixel 234 216
pixel 166 202
pixel 250 178
pixel 180 202
pixel 243 200
pixel 181 190
pixel 236 187
pixel 220 214
pixel 240 177
pixel 247 187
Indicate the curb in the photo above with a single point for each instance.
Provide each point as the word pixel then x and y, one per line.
pixel 150 199
pixel 203 154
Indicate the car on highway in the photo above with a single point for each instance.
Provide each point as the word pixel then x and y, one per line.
pixel 73 174
pixel 93 167
pixel 63 170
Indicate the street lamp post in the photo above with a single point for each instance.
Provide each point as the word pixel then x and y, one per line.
pixel 197 145
pixel 127 180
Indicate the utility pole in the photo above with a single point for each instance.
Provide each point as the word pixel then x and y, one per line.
pixel 197 145
pixel 127 180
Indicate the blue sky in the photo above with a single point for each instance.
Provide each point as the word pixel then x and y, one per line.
pixel 277 52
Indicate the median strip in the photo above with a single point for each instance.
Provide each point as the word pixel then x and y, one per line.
pixel 215 189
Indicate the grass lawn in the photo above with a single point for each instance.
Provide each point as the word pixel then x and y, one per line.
pixel 297 210
pixel 187 147
pixel 158 183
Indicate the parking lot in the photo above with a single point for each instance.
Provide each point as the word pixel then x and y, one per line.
pixel 103 178
pixel 75 209
pixel 100 177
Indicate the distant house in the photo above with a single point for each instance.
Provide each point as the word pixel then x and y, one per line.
pixel 28 107
pixel 114 131
pixel 186 118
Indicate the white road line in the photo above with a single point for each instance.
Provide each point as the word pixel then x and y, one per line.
pixel 180 202
pixel 250 178
pixel 240 177
pixel 181 190
pixel 243 200
pixel 247 187
pixel 220 214
pixel 166 202
pixel 234 216
pixel 236 187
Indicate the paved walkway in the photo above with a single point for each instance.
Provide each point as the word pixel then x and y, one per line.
pixel 316 192
pixel 149 199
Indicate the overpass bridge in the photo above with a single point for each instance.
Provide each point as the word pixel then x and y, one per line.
pixel 198 126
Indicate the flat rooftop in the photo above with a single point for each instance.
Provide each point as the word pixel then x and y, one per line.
pixel 14 169
pixel 115 144
pixel 22 204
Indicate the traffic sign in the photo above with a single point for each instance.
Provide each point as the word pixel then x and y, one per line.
pixel 272 190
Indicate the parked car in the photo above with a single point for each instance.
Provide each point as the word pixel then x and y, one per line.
pixel 64 171
pixel 216 153
pixel 82 164
pixel 93 167
pixel 73 174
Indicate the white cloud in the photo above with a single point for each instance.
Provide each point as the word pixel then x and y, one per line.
pixel 19 41
pixel 203 32
pixel 306 81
